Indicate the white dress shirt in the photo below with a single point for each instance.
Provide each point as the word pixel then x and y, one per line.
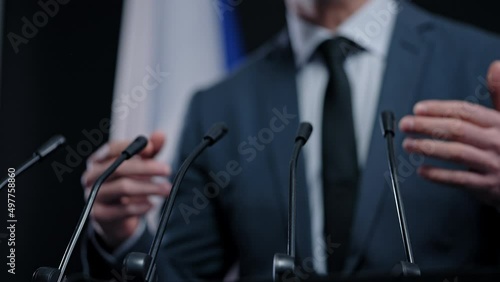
pixel 371 28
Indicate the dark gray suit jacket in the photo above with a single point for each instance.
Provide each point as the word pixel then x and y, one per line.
pixel 233 203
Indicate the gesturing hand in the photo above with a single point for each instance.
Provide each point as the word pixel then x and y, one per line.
pixel 124 198
pixel 468 134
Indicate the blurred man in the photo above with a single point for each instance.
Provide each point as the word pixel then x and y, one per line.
pixel 338 64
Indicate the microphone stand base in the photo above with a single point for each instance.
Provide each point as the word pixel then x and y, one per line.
pixel 406 269
pixel 135 267
pixel 46 274
pixel 283 267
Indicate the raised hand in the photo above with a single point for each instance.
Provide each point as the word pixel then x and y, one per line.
pixel 468 134
pixel 124 198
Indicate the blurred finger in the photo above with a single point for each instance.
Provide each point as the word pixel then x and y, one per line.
pixel 156 140
pixel 127 200
pixel 103 213
pixel 126 187
pixel 113 149
pixel 453 151
pixel 108 151
pixel 466 179
pixel 132 167
pixel 476 114
pixel 494 83
pixel 450 129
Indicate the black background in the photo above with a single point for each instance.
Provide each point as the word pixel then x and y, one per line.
pixel 61 81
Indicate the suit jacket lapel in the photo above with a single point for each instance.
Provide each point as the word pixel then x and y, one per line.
pixel 405 62
pixel 280 94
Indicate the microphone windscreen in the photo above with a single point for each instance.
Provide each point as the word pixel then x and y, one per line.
pixel 136 146
pixel 50 145
pixel 387 123
pixel 216 132
pixel 304 132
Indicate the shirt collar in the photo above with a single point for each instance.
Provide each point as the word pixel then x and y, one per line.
pixel 370 27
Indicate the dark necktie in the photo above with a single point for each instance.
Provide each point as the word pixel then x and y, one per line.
pixel 340 163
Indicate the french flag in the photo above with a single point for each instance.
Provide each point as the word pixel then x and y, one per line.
pixel 168 50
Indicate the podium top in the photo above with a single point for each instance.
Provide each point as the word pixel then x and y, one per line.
pixel 444 277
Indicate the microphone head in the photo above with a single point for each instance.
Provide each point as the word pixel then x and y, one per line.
pixel 49 146
pixel 387 123
pixel 215 133
pixel 304 132
pixel 136 146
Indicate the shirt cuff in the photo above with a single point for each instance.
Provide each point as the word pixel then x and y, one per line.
pixel 122 250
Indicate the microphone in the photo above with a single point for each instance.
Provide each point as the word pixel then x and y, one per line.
pixel 284 264
pixel 47 274
pixel 141 266
pixel 48 147
pixel 408 267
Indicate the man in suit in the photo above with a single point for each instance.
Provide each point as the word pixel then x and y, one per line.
pixel 338 65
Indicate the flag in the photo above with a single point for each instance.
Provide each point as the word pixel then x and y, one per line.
pixel 168 50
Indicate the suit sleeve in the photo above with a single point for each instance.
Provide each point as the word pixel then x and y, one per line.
pixel 100 263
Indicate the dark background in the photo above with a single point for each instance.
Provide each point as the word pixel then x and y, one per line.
pixel 61 81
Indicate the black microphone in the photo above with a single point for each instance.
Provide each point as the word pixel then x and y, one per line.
pixel 47 274
pixel 408 267
pixel 284 264
pixel 48 147
pixel 140 266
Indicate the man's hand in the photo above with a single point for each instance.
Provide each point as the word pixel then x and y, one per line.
pixel 124 198
pixel 463 133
